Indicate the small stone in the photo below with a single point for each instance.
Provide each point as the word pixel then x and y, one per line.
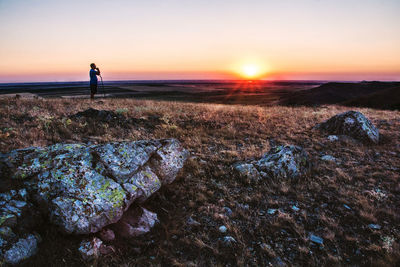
pixel 247 172
pixel 295 208
pixel 374 226
pixel 271 211
pixel 222 229
pixel 90 248
pixel 328 158
pixel 228 211
pixel 228 240
pixel 333 138
pixel 192 222
pixel 136 221
pixel 316 239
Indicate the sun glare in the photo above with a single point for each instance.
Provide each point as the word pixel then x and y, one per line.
pixel 250 71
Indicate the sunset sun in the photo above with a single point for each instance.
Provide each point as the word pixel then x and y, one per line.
pixel 250 71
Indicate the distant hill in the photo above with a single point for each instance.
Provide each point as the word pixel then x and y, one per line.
pixel 364 94
pixel 384 99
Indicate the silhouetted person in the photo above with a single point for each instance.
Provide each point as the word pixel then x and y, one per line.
pixel 94 71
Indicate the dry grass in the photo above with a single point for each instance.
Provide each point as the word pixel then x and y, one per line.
pixel 366 180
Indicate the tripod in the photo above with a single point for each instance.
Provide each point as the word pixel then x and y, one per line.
pixel 101 78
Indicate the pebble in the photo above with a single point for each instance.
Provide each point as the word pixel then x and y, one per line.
pixel 295 208
pixel 243 206
pixel 229 240
pixel 193 222
pixel 271 211
pixel 333 138
pixel 328 158
pixel 223 229
pixel 228 211
pixel 316 239
pixel 374 226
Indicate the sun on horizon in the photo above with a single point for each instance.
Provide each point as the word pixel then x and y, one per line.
pixel 251 70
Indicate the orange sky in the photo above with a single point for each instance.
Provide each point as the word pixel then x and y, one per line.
pixel 305 39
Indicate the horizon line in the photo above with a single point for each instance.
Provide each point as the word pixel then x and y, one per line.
pixel 205 80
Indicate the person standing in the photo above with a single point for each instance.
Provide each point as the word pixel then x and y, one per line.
pixel 94 71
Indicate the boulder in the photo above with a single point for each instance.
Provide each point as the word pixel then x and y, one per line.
pixel 18 218
pixel 86 187
pixel 351 123
pixel 284 162
pixel 281 162
pixel 22 249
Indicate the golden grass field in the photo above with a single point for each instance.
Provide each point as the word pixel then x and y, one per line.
pixel 366 180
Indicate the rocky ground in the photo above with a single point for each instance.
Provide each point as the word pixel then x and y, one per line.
pixel 340 208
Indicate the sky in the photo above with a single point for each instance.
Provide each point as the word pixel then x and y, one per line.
pixel 52 40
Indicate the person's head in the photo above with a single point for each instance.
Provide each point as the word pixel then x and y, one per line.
pixel 93 66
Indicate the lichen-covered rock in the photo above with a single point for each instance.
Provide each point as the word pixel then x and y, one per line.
pixel 281 162
pixel 284 162
pixel 18 218
pixel 23 249
pixel 247 172
pixel 86 187
pixel 135 222
pixel 351 123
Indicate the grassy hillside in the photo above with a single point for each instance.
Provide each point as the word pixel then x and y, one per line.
pixel 383 95
pixel 383 99
pixel 336 202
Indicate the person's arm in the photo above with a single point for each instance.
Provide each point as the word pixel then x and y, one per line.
pixel 97 71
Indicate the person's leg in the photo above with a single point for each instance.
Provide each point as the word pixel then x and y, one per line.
pixel 93 90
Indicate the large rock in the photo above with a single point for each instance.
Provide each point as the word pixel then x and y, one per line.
pixel 23 249
pixel 86 187
pixel 281 162
pixel 351 123
pixel 18 218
